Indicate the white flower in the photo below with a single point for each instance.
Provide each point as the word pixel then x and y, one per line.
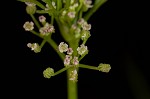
pixel 88 3
pixel 63 47
pixel 71 14
pixel 86 26
pixel 47 7
pixel 53 4
pixel 85 34
pixel 69 51
pixel 42 18
pixel 30 4
pixel 28 26
pixel 80 21
pixel 67 60
pixel 74 26
pixel 82 49
pixel 35 47
pixel 47 29
pixel 75 61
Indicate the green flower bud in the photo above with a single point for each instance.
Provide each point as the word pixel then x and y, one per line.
pixel 85 35
pixel 31 9
pixel 104 67
pixel 48 72
pixel 77 33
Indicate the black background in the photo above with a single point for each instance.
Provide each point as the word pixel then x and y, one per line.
pixel 119 37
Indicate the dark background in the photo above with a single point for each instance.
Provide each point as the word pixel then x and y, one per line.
pixel 119 37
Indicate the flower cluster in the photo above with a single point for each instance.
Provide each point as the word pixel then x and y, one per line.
pixel 69 60
pixel 71 17
pixel 34 46
pixel 81 29
pixel 47 29
pixel 48 72
pixel 104 67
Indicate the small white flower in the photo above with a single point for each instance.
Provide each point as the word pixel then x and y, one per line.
pixel 30 4
pixel 42 18
pixel 88 3
pixel 47 29
pixel 86 26
pixel 75 61
pixel 53 4
pixel 29 45
pixel 71 14
pixel 47 7
pixel 78 30
pixel 81 21
pixel 35 47
pixel 67 60
pixel 85 34
pixel 74 26
pixel 82 49
pixel 63 47
pixel 28 26
pixel 69 51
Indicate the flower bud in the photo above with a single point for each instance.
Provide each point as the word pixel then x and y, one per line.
pixel 31 9
pixel 104 67
pixel 48 72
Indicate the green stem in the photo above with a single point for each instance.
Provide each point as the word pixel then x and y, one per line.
pixel 71 87
pixel 39 4
pixel 43 42
pixel 52 19
pixel 35 33
pixel 59 5
pixel 35 21
pixel 88 66
pixel 52 43
pixel 80 14
pixel 55 46
pixel 67 3
pixel 74 44
pixel 60 71
pixel 83 56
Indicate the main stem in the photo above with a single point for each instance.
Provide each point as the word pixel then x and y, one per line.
pixel 71 87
